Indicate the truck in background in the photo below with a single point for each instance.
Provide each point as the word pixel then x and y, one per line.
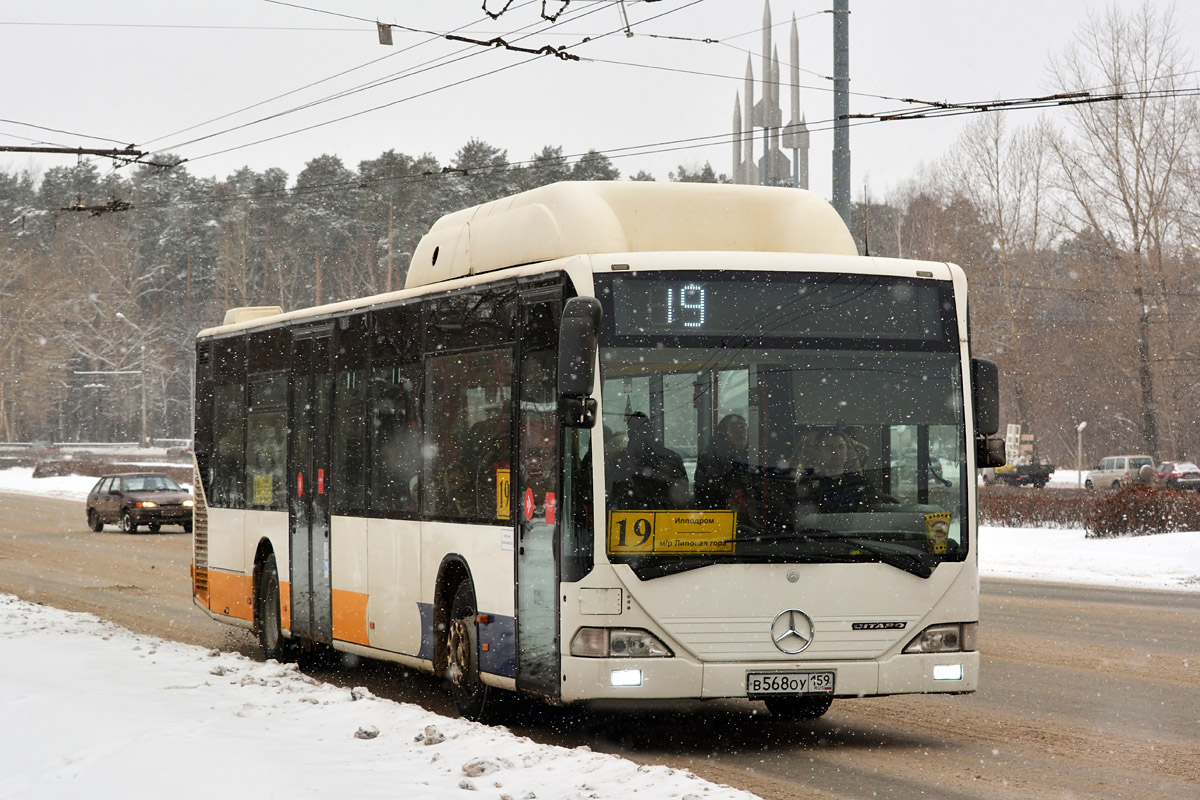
pixel 1024 467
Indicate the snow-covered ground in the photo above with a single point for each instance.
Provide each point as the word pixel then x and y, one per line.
pixel 91 709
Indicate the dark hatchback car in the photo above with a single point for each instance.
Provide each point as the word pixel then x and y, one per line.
pixel 139 498
pixel 1178 475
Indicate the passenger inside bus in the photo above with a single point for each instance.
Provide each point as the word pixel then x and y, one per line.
pixel 722 467
pixel 830 477
pixel 456 492
pixel 647 474
pixel 397 450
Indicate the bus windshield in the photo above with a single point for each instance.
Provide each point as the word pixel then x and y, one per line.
pixel 781 417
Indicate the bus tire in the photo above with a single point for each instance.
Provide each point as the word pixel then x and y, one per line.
pixel 471 696
pixel 799 708
pixel 268 620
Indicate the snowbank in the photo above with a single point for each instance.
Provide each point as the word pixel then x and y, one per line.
pixel 93 710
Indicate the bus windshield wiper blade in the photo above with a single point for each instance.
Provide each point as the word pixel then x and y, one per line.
pixel 899 556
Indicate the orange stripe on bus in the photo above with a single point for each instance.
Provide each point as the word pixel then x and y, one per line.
pixel 229 594
pixel 285 604
pixel 350 616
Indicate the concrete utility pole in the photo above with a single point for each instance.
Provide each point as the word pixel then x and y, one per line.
pixel 841 108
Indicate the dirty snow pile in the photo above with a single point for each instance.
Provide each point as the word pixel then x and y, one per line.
pixel 93 710
pixel 20 480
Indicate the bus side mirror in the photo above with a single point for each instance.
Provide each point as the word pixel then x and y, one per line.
pixel 985 399
pixel 985 396
pixel 576 357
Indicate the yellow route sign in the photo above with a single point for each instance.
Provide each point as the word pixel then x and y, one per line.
pixel 662 532
pixel 264 490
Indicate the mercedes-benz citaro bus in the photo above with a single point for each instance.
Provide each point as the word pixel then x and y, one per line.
pixel 619 441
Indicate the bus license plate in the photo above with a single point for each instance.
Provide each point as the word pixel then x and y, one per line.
pixel 760 683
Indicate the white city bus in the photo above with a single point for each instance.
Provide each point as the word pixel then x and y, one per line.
pixel 613 441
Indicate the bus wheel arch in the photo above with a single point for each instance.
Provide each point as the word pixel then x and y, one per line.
pixel 268 602
pixel 458 641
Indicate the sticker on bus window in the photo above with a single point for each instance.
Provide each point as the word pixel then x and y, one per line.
pixel 937 531
pixel 671 532
pixel 264 489
pixel 503 495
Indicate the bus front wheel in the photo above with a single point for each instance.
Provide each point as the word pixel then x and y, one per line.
pixel 799 708
pixel 470 694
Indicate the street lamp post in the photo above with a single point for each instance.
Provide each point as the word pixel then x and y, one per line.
pixel 1079 454
pixel 144 441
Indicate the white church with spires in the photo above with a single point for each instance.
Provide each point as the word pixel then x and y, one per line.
pixel 758 126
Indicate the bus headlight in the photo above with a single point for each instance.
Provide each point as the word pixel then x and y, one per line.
pixel 958 637
pixel 618 643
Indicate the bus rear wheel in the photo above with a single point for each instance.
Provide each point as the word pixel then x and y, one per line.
pixel 799 708
pixel 471 696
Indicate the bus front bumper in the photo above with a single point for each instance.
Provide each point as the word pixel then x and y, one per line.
pixel 677 678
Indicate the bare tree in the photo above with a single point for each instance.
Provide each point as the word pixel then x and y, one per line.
pixel 1006 177
pixel 1121 166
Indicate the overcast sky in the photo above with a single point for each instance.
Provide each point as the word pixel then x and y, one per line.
pixel 198 79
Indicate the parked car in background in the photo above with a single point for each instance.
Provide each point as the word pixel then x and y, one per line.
pixel 1118 471
pixel 1178 474
pixel 133 499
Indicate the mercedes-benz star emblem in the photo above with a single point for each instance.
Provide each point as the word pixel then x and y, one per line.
pixel 792 631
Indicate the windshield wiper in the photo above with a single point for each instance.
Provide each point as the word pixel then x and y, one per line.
pixel 900 556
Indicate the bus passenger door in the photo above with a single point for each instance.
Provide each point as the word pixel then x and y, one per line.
pixel 311 393
pixel 537 497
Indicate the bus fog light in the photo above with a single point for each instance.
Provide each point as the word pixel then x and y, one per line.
pixel 947 672
pixel 626 677
pixel 937 639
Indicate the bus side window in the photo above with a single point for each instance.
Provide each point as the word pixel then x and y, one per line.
pixel 349 442
pixel 229 419
pixel 471 431
pixel 396 442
